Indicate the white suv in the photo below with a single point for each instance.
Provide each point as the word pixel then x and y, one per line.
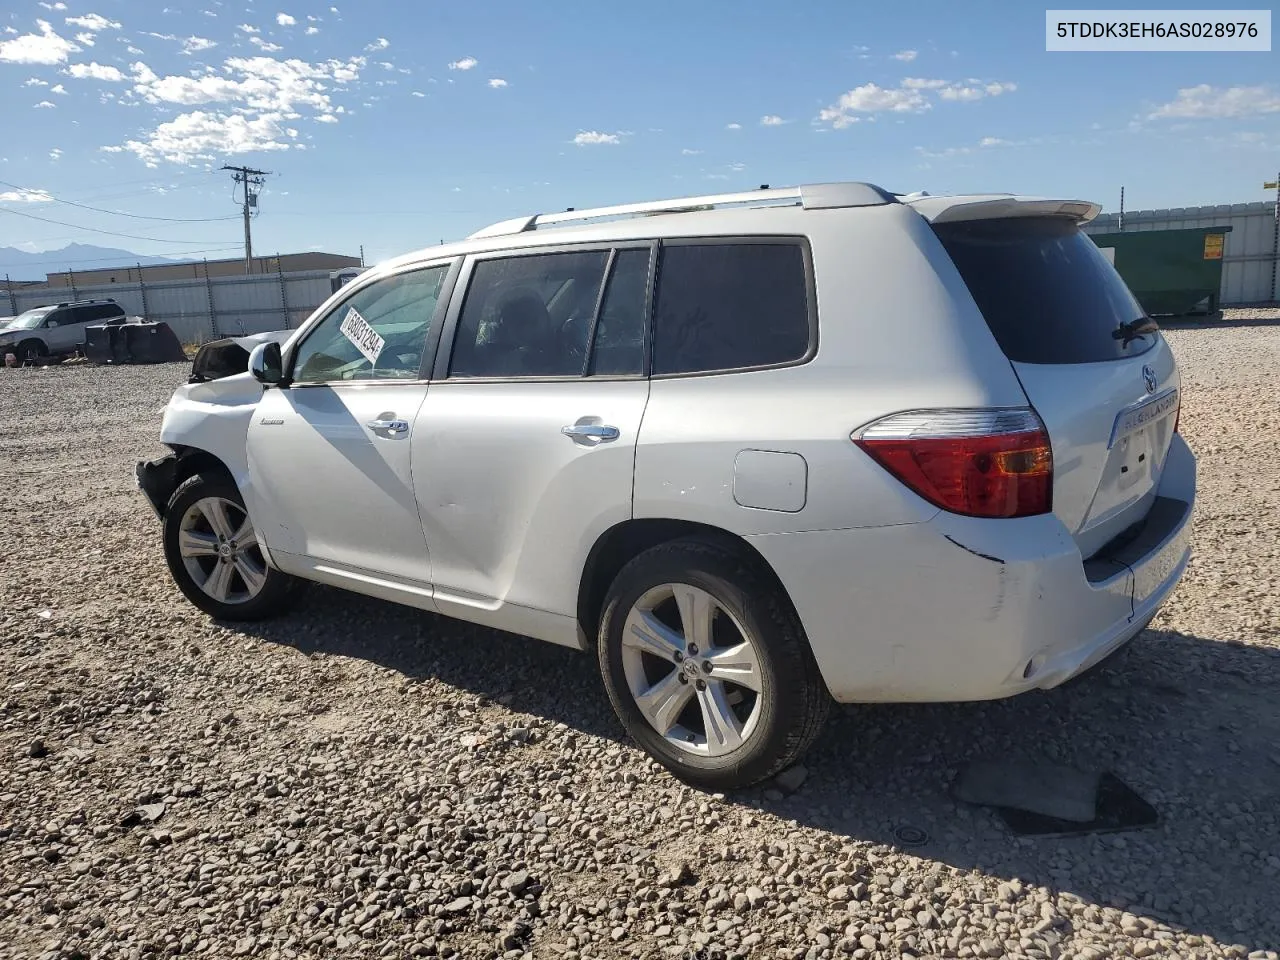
pixel 55 329
pixel 761 450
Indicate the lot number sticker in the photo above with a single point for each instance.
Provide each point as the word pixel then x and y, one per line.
pixel 356 329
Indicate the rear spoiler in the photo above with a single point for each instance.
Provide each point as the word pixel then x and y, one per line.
pixel 993 207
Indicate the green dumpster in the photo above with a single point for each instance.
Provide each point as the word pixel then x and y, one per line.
pixel 1170 271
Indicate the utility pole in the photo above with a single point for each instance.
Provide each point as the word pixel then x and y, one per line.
pixel 1275 236
pixel 249 179
pixel 1121 224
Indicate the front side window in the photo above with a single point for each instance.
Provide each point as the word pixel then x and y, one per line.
pixel 727 306
pixel 30 319
pixel 378 333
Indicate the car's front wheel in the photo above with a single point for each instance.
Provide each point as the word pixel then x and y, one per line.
pixel 29 351
pixel 707 666
pixel 212 550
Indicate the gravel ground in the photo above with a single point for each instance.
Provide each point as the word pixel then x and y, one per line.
pixel 362 779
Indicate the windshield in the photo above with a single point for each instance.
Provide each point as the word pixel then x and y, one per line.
pixel 1046 291
pixel 31 319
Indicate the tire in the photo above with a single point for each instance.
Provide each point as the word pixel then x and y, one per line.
pixel 760 731
pixel 29 351
pixel 220 573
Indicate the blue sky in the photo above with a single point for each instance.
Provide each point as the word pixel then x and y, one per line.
pixel 396 125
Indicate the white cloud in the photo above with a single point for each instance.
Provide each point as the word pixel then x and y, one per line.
pixel 95 71
pixel 55 154
pixel 45 47
pixel 206 136
pixel 265 45
pixel 466 63
pixel 58 89
pixel 975 90
pixel 497 83
pixel 35 82
pixel 771 120
pixel 326 118
pixel 45 105
pixel 1208 102
pixel 88 39
pixel 197 44
pixel 686 152
pixel 865 101
pixel 588 138
pixel 737 167
pixel 247 28
pixel 94 22
pixel 285 20
pixel 986 143
pixel 906 56
pixel 733 126
pixel 418 93
pixel 311 31
pixel 872 98
pixel 26 196
pixel 53 6
pixel 380 44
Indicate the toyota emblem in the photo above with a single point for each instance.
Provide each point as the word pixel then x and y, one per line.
pixel 1149 378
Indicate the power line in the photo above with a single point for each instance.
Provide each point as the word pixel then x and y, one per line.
pixel 109 233
pixel 117 213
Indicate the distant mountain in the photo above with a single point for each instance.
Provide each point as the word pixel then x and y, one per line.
pixel 21 265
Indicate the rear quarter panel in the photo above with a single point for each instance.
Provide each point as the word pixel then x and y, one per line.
pixel 895 332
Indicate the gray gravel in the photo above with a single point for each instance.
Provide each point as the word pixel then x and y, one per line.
pixel 362 779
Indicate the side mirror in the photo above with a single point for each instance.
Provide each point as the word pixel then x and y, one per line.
pixel 265 363
pixel 51 324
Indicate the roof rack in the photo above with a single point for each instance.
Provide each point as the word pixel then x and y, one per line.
pixel 813 196
pixel 81 303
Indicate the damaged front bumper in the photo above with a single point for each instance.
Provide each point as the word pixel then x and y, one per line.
pixel 157 480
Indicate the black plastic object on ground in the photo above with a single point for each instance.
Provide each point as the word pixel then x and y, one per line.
pixel 132 343
pixel 98 344
pixel 152 343
pixel 1046 799
pixel 1118 808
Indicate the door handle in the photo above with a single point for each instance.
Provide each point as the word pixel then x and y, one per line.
pixel 591 431
pixel 393 427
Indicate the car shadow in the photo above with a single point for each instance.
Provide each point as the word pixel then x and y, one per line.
pixel 1191 723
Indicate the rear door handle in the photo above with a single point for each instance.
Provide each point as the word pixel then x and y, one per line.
pixel 591 431
pixel 393 427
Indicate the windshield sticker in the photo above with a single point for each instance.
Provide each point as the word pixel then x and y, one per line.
pixel 356 329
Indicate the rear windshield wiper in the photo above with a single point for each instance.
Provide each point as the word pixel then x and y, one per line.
pixel 1126 333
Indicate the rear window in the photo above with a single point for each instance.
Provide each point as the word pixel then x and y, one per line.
pixel 730 306
pixel 1046 291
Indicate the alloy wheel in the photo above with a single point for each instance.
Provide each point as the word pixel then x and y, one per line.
pixel 220 551
pixel 693 670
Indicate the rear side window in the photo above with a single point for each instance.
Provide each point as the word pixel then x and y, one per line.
pixel 1045 290
pixel 529 316
pixel 730 306
pixel 98 313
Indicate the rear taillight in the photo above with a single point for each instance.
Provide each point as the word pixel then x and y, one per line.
pixel 980 463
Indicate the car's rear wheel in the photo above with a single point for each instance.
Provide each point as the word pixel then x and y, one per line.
pixel 707 666
pixel 212 550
